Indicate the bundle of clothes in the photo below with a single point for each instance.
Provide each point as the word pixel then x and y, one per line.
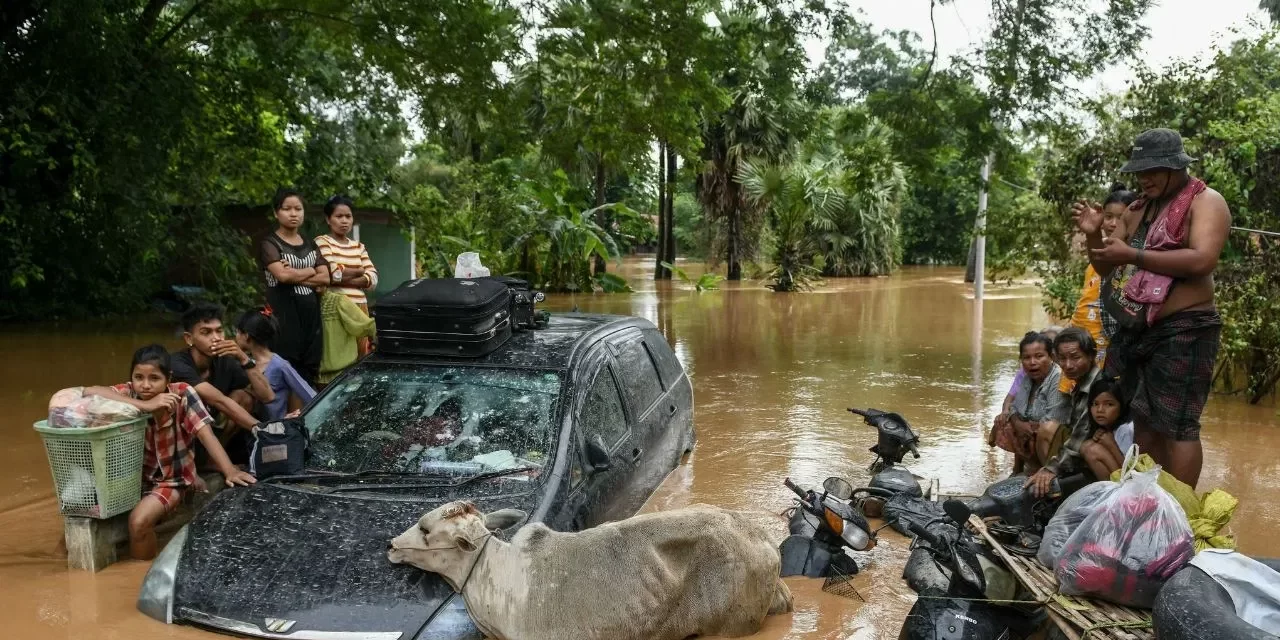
pixel 72 409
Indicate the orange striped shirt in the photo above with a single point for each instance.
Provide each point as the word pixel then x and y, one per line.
pixel 350 254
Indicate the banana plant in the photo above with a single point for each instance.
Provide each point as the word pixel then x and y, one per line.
pixel 706 282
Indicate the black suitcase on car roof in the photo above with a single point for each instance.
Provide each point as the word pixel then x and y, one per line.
pixel 464 317
pixel 523 299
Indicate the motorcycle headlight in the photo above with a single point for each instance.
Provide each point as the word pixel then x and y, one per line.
pixel 452 622
pixel 856 537
pixel 156 597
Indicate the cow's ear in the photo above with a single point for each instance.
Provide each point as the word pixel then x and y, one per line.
pixel 503 518
pixel 464 544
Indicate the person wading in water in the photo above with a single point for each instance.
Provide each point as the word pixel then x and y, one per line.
pixel 1157 272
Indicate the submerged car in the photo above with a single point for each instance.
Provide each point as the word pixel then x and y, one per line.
pixel 575 424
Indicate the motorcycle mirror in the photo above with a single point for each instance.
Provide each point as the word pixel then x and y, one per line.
pixel 838 487
pixel 957 510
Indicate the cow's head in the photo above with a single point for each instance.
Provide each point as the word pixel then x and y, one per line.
pixel 445 539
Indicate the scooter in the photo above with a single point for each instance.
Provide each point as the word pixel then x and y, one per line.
pixel 1023 515
pixel 895 438
pixel 953 577
pixel 822 526
pixel 892 486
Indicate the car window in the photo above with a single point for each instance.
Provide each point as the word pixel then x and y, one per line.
pixel 639 375
pixel 602 412
pixel 457 420
pixel 669 366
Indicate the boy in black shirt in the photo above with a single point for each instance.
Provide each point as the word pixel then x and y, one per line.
pixel 227 379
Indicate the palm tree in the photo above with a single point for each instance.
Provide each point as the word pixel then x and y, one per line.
pixel 753 128
pixel 792 196
pixel 861 237
pixel 839 200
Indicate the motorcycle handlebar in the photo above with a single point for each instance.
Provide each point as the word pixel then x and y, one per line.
pixel 921 532
pixel 798 491
pixel 911 446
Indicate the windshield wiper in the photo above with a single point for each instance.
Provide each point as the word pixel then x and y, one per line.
pixel 320 474
pixel 493 474
pixel 423 485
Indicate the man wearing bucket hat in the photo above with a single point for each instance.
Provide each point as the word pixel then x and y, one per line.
pixel 1157 272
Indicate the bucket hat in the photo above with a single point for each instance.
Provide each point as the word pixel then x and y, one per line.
pixel 1157 149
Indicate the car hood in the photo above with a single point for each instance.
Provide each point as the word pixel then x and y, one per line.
pixel 259 558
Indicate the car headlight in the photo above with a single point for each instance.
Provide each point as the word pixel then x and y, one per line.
pixel 156 597
pixel 452 622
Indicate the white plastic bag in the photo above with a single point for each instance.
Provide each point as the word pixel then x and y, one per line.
pixel 1073 511
pixel 468 266
pixel 1129 546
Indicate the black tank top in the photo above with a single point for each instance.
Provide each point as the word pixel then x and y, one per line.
pixel 1126 313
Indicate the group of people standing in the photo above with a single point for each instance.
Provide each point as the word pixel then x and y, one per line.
pixel 1140 351
pixel 316 288
pixel 314 325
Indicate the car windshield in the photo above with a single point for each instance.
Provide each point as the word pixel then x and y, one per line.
pixel 458 421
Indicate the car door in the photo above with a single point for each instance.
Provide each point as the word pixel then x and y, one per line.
pixel 675 430
pixel 600 416
pixel 646 401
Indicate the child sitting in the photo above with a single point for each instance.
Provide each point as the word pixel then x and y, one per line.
pixel 255 333
pixel 1107 412
pixel 177 419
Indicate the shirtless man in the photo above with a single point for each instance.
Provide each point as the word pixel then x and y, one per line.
pixel 1164 359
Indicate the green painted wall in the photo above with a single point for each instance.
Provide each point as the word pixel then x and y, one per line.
pixel 390 252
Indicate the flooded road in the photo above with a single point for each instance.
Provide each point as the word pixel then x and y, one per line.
pixel 773 375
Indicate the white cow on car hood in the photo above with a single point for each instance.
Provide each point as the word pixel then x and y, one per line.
pixel 701 570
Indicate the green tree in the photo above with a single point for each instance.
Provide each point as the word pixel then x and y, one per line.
pixel 128 126
pixel 759 62
pixel 859 235
pixel 835 205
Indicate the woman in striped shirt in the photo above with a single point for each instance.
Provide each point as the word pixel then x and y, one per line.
pixel 352 271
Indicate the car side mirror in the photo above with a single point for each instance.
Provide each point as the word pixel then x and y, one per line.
pixel 598 454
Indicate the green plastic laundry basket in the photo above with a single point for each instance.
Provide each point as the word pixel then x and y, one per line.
pixel 97 472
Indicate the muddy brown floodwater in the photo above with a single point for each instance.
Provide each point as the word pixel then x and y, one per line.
pixel 773 375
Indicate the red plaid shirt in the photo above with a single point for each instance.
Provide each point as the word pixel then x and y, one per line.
pixel 168 459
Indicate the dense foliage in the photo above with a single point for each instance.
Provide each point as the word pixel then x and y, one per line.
pixel 551 136
pixel 132 126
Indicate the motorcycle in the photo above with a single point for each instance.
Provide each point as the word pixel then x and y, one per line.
pixel 821 527
pixel 894 438
pixel 1023 516
pixel 893 492
pixel 953 576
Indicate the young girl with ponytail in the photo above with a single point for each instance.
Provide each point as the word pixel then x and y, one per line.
pixel 255 334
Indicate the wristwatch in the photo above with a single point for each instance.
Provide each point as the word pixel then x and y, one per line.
pixel 251 363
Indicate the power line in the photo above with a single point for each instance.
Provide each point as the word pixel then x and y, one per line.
pixel 1258 231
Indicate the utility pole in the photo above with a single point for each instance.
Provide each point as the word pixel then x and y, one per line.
pixel 980 230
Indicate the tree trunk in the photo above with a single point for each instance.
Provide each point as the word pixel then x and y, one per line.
pixel 669 241
pixel 660 272
pixel 732 259
pixel 602 265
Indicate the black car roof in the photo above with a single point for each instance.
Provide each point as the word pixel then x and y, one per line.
pixel 552 347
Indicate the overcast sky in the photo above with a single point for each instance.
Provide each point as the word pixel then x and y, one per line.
pixel 1176 28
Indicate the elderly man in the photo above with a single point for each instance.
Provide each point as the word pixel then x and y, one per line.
pixel 1069 417
pixel 1158 287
